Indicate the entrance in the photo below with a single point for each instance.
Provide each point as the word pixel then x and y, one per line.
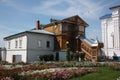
pixel 17 58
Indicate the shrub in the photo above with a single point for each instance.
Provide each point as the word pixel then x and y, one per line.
pixel 41 57
pixel 68 56
pixel 77 55
pixel 82 56
pixel 7 78
pixel 1 68
pixel 49 57
pixel 20 63
pixel 57 56
pixel 101 58
pixel 4 63
pixel 115 66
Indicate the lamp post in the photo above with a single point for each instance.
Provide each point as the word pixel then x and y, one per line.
pixel 67 51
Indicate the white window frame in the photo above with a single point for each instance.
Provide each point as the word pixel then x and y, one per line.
pixel 81 28
pixel 16 43
pixel 60 27
pixel 9 44
pixel 20 42
pixel 40 43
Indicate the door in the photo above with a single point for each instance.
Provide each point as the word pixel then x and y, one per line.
pixel 17 58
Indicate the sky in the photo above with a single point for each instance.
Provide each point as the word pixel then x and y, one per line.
pixel 21 15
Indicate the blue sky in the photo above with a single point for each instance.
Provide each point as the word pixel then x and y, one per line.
pixel 21 15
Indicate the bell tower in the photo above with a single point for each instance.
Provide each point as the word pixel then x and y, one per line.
pixel 116 24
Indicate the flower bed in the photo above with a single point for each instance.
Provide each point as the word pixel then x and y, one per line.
pixel 73 64
pixel 41 72
pixel 14 72
pixel 56 73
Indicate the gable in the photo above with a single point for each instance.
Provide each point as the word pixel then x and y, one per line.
pixel 76 19
pixel 72 20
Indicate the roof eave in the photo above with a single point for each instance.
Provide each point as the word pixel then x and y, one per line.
pixel 114 7
pixel 64 20
pixel 9 37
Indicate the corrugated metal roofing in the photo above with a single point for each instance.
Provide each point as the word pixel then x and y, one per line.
pixel 90 42
pixel 30 31
pixel 41 31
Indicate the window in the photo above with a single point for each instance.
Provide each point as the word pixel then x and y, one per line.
pixel 16 43
pixel 9 45
pixel 20 43
pixel 64 27
pixel 60 27
pixel 39 44
pixel 48 44
pixel 81 28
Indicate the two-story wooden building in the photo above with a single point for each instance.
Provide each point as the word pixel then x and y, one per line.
pixel 69 29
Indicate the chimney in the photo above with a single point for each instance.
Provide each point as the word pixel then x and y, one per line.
pixel 37 25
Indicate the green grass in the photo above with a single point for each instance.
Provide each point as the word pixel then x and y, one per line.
pixel 104 73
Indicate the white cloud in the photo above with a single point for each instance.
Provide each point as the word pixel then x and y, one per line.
pixel 88 9
pixel 84 8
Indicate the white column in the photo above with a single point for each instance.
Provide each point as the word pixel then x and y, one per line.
pixel 106 38
pixel 116 34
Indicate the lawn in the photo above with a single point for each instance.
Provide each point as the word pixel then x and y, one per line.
pixel 104 73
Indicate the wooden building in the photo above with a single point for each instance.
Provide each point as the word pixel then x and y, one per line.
pixel 70 29
pixel 67 30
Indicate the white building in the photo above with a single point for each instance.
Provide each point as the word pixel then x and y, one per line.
pixel 111 32
pixel 28 45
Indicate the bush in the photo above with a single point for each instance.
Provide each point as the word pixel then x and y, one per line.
pixel 77 55
pixel 7 78
pixel 57 56
pixel 82 56
pixel 115 66
pixel 4 63
pixel 20 63
pixel 68 55
pixel 49 57
pixel 101 58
